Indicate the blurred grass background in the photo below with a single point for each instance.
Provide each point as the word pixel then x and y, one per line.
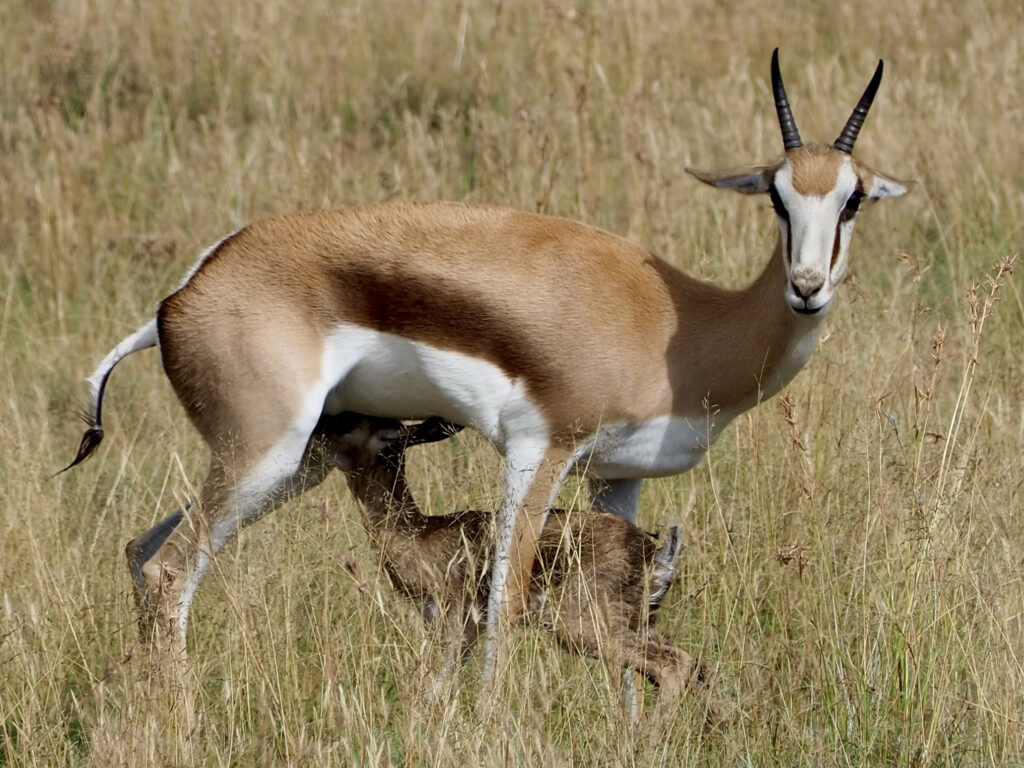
pixel 854 548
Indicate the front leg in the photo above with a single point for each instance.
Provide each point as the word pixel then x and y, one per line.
pixel 620 497
pixel 532 478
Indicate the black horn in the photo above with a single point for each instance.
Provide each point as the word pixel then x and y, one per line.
pixel 790 135
pixel 849 135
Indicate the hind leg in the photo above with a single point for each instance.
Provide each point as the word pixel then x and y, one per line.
pixel 670 668
pixel 247 479
pixel 138 552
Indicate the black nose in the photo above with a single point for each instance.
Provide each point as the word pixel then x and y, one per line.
pixel 805 292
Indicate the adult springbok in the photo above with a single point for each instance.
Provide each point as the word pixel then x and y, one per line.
pixel 564 345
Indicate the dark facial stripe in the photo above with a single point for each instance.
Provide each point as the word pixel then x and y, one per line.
pixel 835 249
pixel 847 214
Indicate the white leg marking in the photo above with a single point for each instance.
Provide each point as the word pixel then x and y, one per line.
pixel 189 592
pixel 271 483
pixel 629 695
pixel 520 470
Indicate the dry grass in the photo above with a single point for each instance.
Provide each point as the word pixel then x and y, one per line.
pixel 854 559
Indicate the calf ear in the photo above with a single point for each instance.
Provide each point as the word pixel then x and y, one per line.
pixel 750 181
pixel 428 431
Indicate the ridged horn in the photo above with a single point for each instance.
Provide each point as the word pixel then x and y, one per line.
pixel 790 135
pixel 849 135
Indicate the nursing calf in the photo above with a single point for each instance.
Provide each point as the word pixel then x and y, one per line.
pixel 597 582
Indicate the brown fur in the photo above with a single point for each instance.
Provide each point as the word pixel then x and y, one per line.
pixel 595 328
pixel 815 168
pixel 599 330
pixel 584 317
pixel 593 580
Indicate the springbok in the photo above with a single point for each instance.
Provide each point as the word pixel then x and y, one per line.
pixel 564 345
pixel 597 583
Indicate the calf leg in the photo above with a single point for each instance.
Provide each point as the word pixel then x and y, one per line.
pixel 460 630
pixel 667 666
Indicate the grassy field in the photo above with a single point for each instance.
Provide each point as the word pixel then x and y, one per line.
pixel 854 548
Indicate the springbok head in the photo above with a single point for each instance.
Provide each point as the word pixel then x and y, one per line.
pixel 816 191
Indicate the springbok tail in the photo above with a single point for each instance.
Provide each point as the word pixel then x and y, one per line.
pixel 144 338
pixel 663 572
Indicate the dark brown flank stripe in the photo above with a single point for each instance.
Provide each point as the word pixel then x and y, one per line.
pixel 445 316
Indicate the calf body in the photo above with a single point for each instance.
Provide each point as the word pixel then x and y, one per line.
pixel 597 581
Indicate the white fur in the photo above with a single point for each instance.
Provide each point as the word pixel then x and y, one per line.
pixel 660 447
pixel 521 464
pixel 381 374
pixel 143 338
pixel 811 230
pixel 276 478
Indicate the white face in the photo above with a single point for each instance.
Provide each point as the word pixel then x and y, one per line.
pixel 817 193
pixel 815 228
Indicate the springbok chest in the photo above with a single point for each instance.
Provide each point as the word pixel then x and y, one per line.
pixel 656 448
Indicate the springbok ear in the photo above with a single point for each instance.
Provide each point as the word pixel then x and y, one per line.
pixel 878 186
pixel 429 430
pixel 750 181
pixel 383 436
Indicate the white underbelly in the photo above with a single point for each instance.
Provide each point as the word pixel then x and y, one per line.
pixel 380 374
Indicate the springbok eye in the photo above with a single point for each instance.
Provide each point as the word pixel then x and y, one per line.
pixel 780 209
pixel 851 207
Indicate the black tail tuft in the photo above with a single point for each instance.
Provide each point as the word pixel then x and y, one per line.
pixel 90 442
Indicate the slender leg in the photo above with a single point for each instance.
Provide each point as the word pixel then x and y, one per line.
pixel 139 551
pixel 620 497
pixel 168 561
pixel 630 694
pixel 530 485
pixel 670 668
pixel 459 631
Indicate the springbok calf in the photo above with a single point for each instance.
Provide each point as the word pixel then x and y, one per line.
pixel 564 345
pixel 597 582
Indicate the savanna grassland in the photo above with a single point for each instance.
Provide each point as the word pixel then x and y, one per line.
pixel 854 547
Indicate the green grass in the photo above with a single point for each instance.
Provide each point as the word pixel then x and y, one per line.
pixel 852 562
